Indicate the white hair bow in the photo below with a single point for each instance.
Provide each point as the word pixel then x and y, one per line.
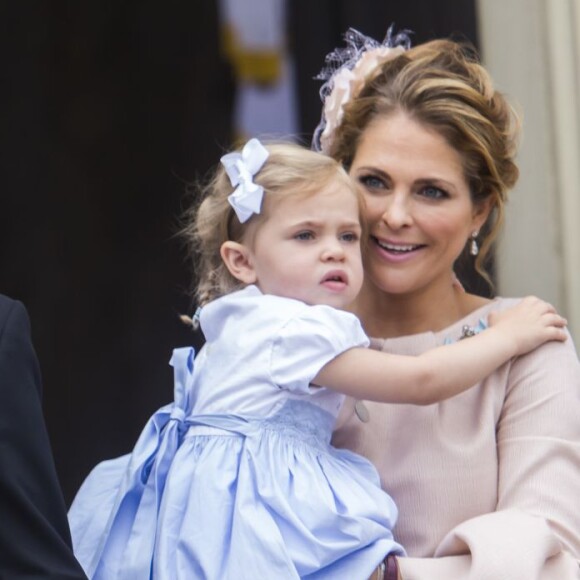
pixel 241 168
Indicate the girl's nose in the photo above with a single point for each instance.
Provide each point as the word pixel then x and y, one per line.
pixel 333 250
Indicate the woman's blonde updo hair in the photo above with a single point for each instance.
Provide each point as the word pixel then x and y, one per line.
pixel 289 170
pixel 441 85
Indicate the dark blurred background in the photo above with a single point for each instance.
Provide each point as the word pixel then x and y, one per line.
pixel 108 109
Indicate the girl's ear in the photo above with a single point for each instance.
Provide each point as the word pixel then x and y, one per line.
pixel 238 260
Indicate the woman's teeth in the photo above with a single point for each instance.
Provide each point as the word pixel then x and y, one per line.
pixel 397 248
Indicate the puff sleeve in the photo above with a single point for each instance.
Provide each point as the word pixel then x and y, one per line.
pixel 310 339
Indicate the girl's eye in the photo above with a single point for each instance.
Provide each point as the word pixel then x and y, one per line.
pixel 349 237
pixel 372 182
pixel 432 192
pixel 304 236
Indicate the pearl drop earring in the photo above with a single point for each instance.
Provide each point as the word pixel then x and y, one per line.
pixel 474 248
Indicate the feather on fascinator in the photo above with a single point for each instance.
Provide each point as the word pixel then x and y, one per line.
pixel 345 72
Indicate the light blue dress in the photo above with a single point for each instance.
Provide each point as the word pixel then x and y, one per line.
pixel 236 479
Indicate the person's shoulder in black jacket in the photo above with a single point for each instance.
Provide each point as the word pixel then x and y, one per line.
pixel 34 534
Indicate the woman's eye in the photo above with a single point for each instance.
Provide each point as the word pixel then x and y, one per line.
pixel 372 182
pixel 433 192
pixel 304 236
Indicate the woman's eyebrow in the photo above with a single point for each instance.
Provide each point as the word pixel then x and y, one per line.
pixel 374 170
pixel 437 181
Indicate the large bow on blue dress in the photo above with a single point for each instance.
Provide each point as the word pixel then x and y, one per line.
pixel 132 527
pixel 128 543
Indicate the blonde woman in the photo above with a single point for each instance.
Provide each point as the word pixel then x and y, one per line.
pixel 486 482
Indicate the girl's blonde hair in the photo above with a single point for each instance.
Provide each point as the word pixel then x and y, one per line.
pixel 289 170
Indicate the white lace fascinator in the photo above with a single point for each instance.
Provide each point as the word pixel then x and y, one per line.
pixel 345 72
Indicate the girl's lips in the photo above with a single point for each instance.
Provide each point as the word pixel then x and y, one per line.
pixel 397 251
pixel 335 280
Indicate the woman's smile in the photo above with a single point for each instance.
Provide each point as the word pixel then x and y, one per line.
pixel 396 251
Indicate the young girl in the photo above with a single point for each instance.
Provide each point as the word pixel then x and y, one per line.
pixel 237 478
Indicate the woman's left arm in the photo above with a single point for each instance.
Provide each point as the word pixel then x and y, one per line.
pixel 538 438
pixel 535 530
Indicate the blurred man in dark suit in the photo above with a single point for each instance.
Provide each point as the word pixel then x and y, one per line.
pixel 34 535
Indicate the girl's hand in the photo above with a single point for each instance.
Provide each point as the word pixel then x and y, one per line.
pixel 529 324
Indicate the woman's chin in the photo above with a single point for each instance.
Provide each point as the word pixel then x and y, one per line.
pixel 393 282
pixel 395 287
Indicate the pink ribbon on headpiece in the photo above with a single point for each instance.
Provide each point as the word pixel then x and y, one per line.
pixel 346 71
pixel 241 168
pixel 348 84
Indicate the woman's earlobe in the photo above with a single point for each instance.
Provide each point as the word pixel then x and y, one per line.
pixel 481 214
pixel 238 261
